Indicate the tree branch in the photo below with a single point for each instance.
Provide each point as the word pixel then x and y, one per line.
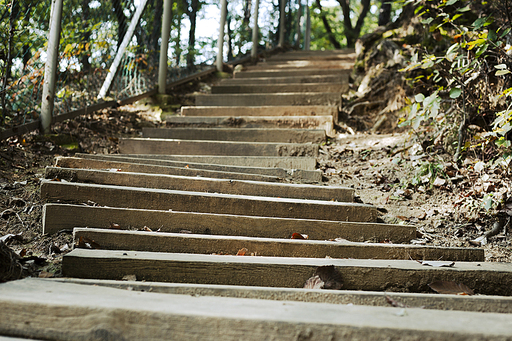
pixel 330 34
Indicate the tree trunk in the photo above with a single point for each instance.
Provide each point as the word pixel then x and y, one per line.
pixel 384 12
pixel 177 48
pixel 330 33
pixel 156 32
pixel 122 24
pixel 86 35
pixel 192 15
pixel 230 39
pixel 352 33
pixel 8 62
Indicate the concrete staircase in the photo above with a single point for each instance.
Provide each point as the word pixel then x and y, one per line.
pixel 206 221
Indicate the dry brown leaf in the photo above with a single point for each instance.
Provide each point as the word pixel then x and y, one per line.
pixel 242 252
pixel 87 243
pixel 451 288
pixel 299 236
pixel 325 277
pixel 115 226
pixel 147 229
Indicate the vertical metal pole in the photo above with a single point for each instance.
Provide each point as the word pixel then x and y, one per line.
pixel 220 54
pixel 254 52
pixel 307 37
pixel 50 69
pixel 164 46
pixel 282 22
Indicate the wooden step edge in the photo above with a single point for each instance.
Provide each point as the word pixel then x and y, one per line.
pixel 34 309
pixel 432 301
pixel 269 247
pixel 357 274
pixel 58 217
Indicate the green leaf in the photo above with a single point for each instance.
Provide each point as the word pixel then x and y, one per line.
pixel 501 66
pixel 481 50
pixel 507 31
pixel 502 72
pixel 502 142
pixel 479 23
pixel 451 2
pixel 427 21
pixel 455 92
pixel 463 9
pixel 492 35
pixel 419 98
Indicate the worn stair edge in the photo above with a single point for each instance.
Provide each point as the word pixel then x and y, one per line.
pixel 65 311
pixel 278 88
pixel 305 162
pixel 289 73
pixel 271 247
pixel 266 111
pixel 340 78
pixel 192 147
pixel 138 165
pixel 302 65
pixel 162 199
pixel 166 170
pixel 476 303
pixel 304 98
pixel 57 217
pixel 238 134
pixel 302 122
pixel 197 184
pixel 357 274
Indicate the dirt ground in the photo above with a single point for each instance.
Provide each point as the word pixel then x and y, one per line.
pixel 390 171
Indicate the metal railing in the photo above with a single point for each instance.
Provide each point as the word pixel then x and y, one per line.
pixel 62 58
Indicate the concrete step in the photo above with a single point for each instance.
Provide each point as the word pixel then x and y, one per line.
pixel 155 166
pixel 198 184
pixel 58 217
pixel 162 199
pixel 357 274
pixel 279 88
pixel 70 162
pixel 325 79
pixel 306 98
pixel 290 73
pixel 271 247
pixel 238 134
pixel 344 64
pixel 192 147
pixel 50 309
pixel 304 163
pixel 254 122
pixel 476 303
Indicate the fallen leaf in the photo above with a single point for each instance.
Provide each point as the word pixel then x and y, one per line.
pixel 451 288
pixel 395 303
pixel 46 274
pixel 129 278
pixel 299 236
pixel 115 226
pixel 87 243
pixel 242 252
pixel 186 231
pixel 436 263
pixel 480 241
pixel 23 253
pixel 10 236
pixel 147 229
pixel 325 277
pixel 438 182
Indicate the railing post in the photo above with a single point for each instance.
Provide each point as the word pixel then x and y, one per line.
pixel 164 46
pixel 307 38
pixel 220 54
pixel 50 69
pixel 282 22
pixel 254 52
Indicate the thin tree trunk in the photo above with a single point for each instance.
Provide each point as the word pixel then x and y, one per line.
pixel 330 33
pixel 122 25
pixel 230 39
pixel 192 14
pixel 8 62
pixel 86 35
pixel 156 32
pixel 384 13
pixel 352 33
